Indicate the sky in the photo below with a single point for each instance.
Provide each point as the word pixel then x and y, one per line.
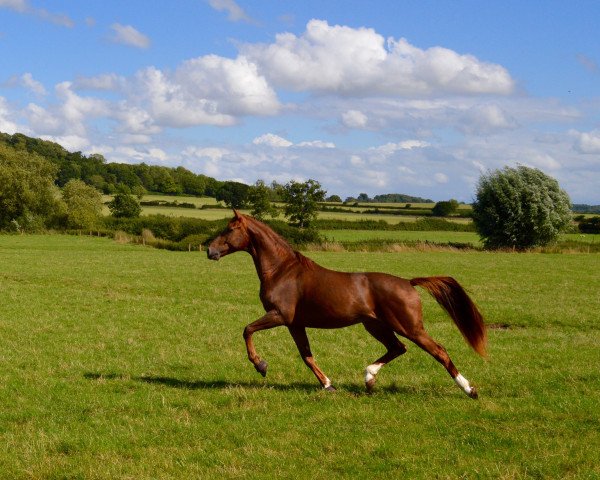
pixel 418 97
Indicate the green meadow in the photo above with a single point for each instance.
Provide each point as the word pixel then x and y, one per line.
pixel 127 362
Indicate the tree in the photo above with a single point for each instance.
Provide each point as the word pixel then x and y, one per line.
pixel 444 208
pixel 334 198
pixel 234 194
pixel 520 208
pixel 301 199
pixel 259 198
pixel 83 204
pixel 29 199
pixel 124 205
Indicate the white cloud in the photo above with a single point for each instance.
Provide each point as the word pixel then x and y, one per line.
pixel 359 62
pixel 587 142
pixel 23 6
pixel 235 84
pixel 68 118
pixel 440 177
pixel 7 124
pixel 103 82
pixel 316 144
pixel 128 35
pixel 272 140
pixel 235 13
pixel 354 119
pixel 29 82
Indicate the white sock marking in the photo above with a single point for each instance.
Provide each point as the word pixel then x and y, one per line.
pixel 371 371
pixel 463 383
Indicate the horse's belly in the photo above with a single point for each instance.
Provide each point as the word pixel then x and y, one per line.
pixel 330 315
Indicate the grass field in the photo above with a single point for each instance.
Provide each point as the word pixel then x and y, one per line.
pixel 125 362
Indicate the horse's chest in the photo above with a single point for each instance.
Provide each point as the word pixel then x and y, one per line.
pixel 281 296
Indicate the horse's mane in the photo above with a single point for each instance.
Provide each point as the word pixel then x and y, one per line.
pixel 279 243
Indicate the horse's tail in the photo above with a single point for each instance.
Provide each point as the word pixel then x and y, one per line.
pixel 453 298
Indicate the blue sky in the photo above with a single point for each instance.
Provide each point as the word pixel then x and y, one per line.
pixel 416 97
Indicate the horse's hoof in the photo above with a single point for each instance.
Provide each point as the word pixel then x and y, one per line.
pixel 262 368
pixel 473 393
pixel 370 384
pixel 330 388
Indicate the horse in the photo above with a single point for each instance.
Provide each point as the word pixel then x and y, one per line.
pixel 298 293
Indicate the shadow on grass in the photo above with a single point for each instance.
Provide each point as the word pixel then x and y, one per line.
pixel 358 390
pixel 202 384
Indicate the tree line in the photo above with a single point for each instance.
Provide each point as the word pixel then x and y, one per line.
pixel 44 186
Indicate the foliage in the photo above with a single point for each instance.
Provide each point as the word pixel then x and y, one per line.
pixel 297 237
pixel 444 208
pixel 421 224
pixel 234 194
pixel 334 199
pixel 83 205
pixel 585 208
pixel 124 205
pixel 28 197
pixel 301 201
pixel 113 177
pixel 399 198
pixel 520 208
pixel 590 225
pixel 259 199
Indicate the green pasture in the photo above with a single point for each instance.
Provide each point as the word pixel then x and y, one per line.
pixel 401 236
pixel 127 362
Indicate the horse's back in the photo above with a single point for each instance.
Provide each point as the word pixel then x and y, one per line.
pixel 334 299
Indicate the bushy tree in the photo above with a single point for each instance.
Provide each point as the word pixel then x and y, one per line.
pixel 520 208
pixel 301 201
pixel 124 205
pixel 259 198
pixel 234 194
pixel 444 208
pixel 83 204
pixel 29 200
pixel 334 198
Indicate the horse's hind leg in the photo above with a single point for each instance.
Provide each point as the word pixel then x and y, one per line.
pixel 387 337
pixel 299 336
pixel 437 351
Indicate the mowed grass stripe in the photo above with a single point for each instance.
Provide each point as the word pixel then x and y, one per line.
pixel 120 361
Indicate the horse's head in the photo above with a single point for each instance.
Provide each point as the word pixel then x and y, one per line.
pixel 233 239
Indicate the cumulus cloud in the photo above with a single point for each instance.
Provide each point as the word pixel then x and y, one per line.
pixel 272 140
pixel 275 141
pixel 208 90
pixel 23 6
pixel 103 82
pixel 359 61
pixel 32 84
pixel 587 142
pixel 235 13
pixel 354 119
pixel 128 35
pixel 69 117
pixel 26 81
pixel 7 124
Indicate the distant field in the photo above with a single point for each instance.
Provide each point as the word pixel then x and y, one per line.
pixel 126 362
pixel 401 236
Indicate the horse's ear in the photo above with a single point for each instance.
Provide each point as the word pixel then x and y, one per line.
pixel 238 215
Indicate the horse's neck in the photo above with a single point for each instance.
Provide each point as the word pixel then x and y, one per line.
pixel 270 253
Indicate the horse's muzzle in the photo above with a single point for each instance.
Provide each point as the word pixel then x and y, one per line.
pixel 213 253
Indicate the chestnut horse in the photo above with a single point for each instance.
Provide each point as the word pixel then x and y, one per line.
pixel 298 293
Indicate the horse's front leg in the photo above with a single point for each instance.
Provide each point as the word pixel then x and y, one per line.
pixel 299 336
pixel 270 320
